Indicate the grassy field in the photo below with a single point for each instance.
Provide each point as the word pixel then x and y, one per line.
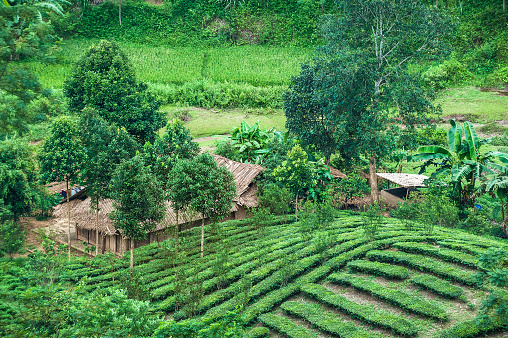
pixel 257 65
pixel 333 282
pixel 476 106
pixel 206 122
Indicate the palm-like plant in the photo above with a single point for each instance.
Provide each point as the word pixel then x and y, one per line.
pixel 251 141
pixel 496 184
pixel 462 161
pixel 42 6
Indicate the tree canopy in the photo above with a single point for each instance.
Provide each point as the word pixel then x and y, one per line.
pixel 24 37
pixel 104 79
pixel 138 200
pixel 358 90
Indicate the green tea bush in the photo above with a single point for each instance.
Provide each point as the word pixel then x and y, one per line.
pixel 399 298
pixel 380 269
pixel 325 320
pixel 373 316
pixel 426 264
pixel 286 326
pixel 436 285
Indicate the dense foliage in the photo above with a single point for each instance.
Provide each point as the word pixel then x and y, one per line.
pixel 103 79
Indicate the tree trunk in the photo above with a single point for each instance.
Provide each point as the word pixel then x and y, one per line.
pixel 68 218
pixel 97 232
pixel 120 12
pixel 132 254
pixel 103 250
pixel 374 194
pixel 296 209
pixel 202 236
pixel 176 234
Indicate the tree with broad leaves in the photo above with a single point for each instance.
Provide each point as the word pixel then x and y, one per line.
pixel 463 162
pixel 106 146
pixel 297 173
pixel 62 158
pixel 175 144
pixel 104 79
pixel 202 185
pixel 357 92
pixel 138 200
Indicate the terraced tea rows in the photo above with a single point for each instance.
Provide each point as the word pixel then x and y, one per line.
pixel 402 283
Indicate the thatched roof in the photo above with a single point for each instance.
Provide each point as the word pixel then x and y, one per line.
pixel 404 180
pixel 244 176
pixel 337 173
pixel 85 218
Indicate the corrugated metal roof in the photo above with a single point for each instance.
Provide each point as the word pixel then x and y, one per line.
pixel 404 180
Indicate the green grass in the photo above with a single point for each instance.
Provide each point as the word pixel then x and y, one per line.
pixel 478 106
pixel 267 272
pixel 206 122
pixel 257 65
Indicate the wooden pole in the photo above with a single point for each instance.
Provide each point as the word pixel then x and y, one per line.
pixel 132 254
pixel 202 235
pixel 97 231
pixel 68 218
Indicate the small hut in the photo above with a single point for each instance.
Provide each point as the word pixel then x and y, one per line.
pixel 111 239
pixel 406 184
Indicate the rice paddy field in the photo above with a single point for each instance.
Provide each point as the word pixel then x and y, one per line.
pixel 332 282
pixel 256 65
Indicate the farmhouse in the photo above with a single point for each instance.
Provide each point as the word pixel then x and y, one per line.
pixel 111 239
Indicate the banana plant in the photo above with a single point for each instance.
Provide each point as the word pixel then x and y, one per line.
pixel 251 141
pixel 462 161
pixel 496 184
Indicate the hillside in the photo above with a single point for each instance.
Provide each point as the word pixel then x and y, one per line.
pixel 331 282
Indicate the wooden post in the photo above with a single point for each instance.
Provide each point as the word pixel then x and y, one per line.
pixel 202 235
pixel 132 254
pixel 68 218
pixel 373 179
pixel 97 232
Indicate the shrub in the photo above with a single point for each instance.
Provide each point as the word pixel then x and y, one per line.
pixel 439 286
pixel 380 269
pixel 396 297
pixel 373 316
pixel 449 73
pixel 286 326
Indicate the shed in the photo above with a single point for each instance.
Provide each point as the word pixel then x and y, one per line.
pixel 112 240
pixel 407 183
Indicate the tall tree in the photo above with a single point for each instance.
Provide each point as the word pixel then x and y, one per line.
pixel 62 158
pixel 175 144
pixel 204 186
pixel 138 200
pixel 106 146
pixel 104 79
pixel 358 90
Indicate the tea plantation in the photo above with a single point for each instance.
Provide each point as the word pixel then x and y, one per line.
pixel 336 282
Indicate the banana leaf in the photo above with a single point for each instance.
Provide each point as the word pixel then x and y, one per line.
pixel 454 136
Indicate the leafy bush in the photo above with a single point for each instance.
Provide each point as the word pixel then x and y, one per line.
pixel 439 286
pixel 274 197
pixel 210 94
pixel 423 263
pixel 346 189
pixel 445 254
pixel 449 73
pixel 286 326
pixel 373 316
pixel 396 297
pixel 325 320
pixel 380 269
